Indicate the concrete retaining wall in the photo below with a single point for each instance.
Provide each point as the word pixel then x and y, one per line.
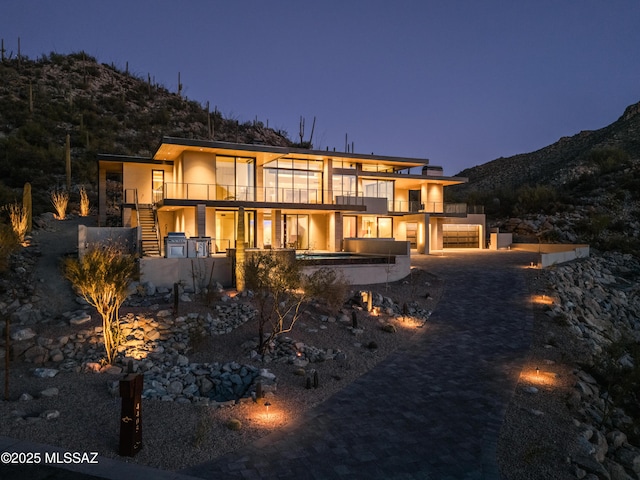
pixel 372 273
pixel 381 246
pixel 164 272
pixel 125 237
pixel 554 253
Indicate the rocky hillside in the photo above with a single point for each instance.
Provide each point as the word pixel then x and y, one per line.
pixel 559 163
pixel 584 188
pixel 103 109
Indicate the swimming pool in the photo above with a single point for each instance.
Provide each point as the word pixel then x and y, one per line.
pixel 343 258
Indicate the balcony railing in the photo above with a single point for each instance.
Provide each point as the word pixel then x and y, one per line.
pixel 234 193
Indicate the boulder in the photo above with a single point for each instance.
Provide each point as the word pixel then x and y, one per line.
pixel 49 392
pixel 80 319
pixel 21 334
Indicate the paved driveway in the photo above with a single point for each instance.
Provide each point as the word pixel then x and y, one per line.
pixel 430 411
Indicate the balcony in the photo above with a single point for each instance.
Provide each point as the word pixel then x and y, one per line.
pixel 305 196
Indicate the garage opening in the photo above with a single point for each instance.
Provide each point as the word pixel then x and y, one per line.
pixel 460 236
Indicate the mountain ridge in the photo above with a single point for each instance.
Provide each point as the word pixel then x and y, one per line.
pixel 559 162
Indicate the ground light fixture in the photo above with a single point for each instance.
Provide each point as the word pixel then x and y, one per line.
pixel 267 404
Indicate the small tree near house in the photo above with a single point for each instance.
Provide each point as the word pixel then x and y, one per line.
pixel 277 284
pixel 280 288
pixel 329 286
pixel 101 277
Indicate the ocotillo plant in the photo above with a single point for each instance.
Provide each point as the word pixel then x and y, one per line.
pixel 27 205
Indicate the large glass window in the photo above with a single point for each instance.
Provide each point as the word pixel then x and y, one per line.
pixel 379 189
pixel 266 230
pixel 227 228
pixel 344 186
pixel 385 227
pixel 157 184
pixel 296 231
pixel 376 227
pixel 377 167
pixel 349 227
pixel 343 164
pixel 293 181
pixel 235 178
pixel 369 227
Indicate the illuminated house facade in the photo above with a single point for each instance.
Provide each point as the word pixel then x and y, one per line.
pixel 292 198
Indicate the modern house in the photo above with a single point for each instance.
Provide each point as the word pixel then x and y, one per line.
pixel 295 198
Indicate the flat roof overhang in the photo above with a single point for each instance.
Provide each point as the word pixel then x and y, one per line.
pixel 414 182
pixel 115 162
pixel 171 148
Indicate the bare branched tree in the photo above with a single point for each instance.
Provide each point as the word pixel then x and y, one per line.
pixel 277 284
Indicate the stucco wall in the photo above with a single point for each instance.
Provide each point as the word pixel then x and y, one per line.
pixel 164 272
pixel 375 273
pixel 554 253
pixel 127 238
pixel 376 245
pixel 500 240
pixel 199 168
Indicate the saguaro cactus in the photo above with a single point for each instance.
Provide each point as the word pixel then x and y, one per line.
pixel 67 156
pixel 27 204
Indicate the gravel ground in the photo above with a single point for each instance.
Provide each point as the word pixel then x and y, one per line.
pixel 534 441
pixel 176 435
pixel 179 435
pixel 538 434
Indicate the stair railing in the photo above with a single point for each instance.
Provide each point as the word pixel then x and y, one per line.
pixel 156 226
pixel 139 227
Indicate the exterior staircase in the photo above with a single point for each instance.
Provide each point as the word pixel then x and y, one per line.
pixel 150 243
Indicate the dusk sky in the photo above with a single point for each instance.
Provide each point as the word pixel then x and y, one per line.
pixel 459 82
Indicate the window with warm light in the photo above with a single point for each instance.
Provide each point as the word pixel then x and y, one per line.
pixel 235 178
pixel 293 181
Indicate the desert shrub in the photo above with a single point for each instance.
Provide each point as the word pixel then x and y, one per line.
pixel 594 225
pixel 101 277
pixel 19 218
pixel 276 281
pixel 234 424
pixel 620 379
pixel 540 198
pixel 84 202
pixel 329 286
pixel 609 160
pixel 8 244
pixel 620 243
pixel 60 200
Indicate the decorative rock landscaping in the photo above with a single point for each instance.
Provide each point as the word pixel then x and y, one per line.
pixel 598 299
pixel 157 345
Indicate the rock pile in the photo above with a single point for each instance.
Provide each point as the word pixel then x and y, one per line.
pixel 598 299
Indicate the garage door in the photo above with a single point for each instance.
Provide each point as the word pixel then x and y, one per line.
pixel 461 236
